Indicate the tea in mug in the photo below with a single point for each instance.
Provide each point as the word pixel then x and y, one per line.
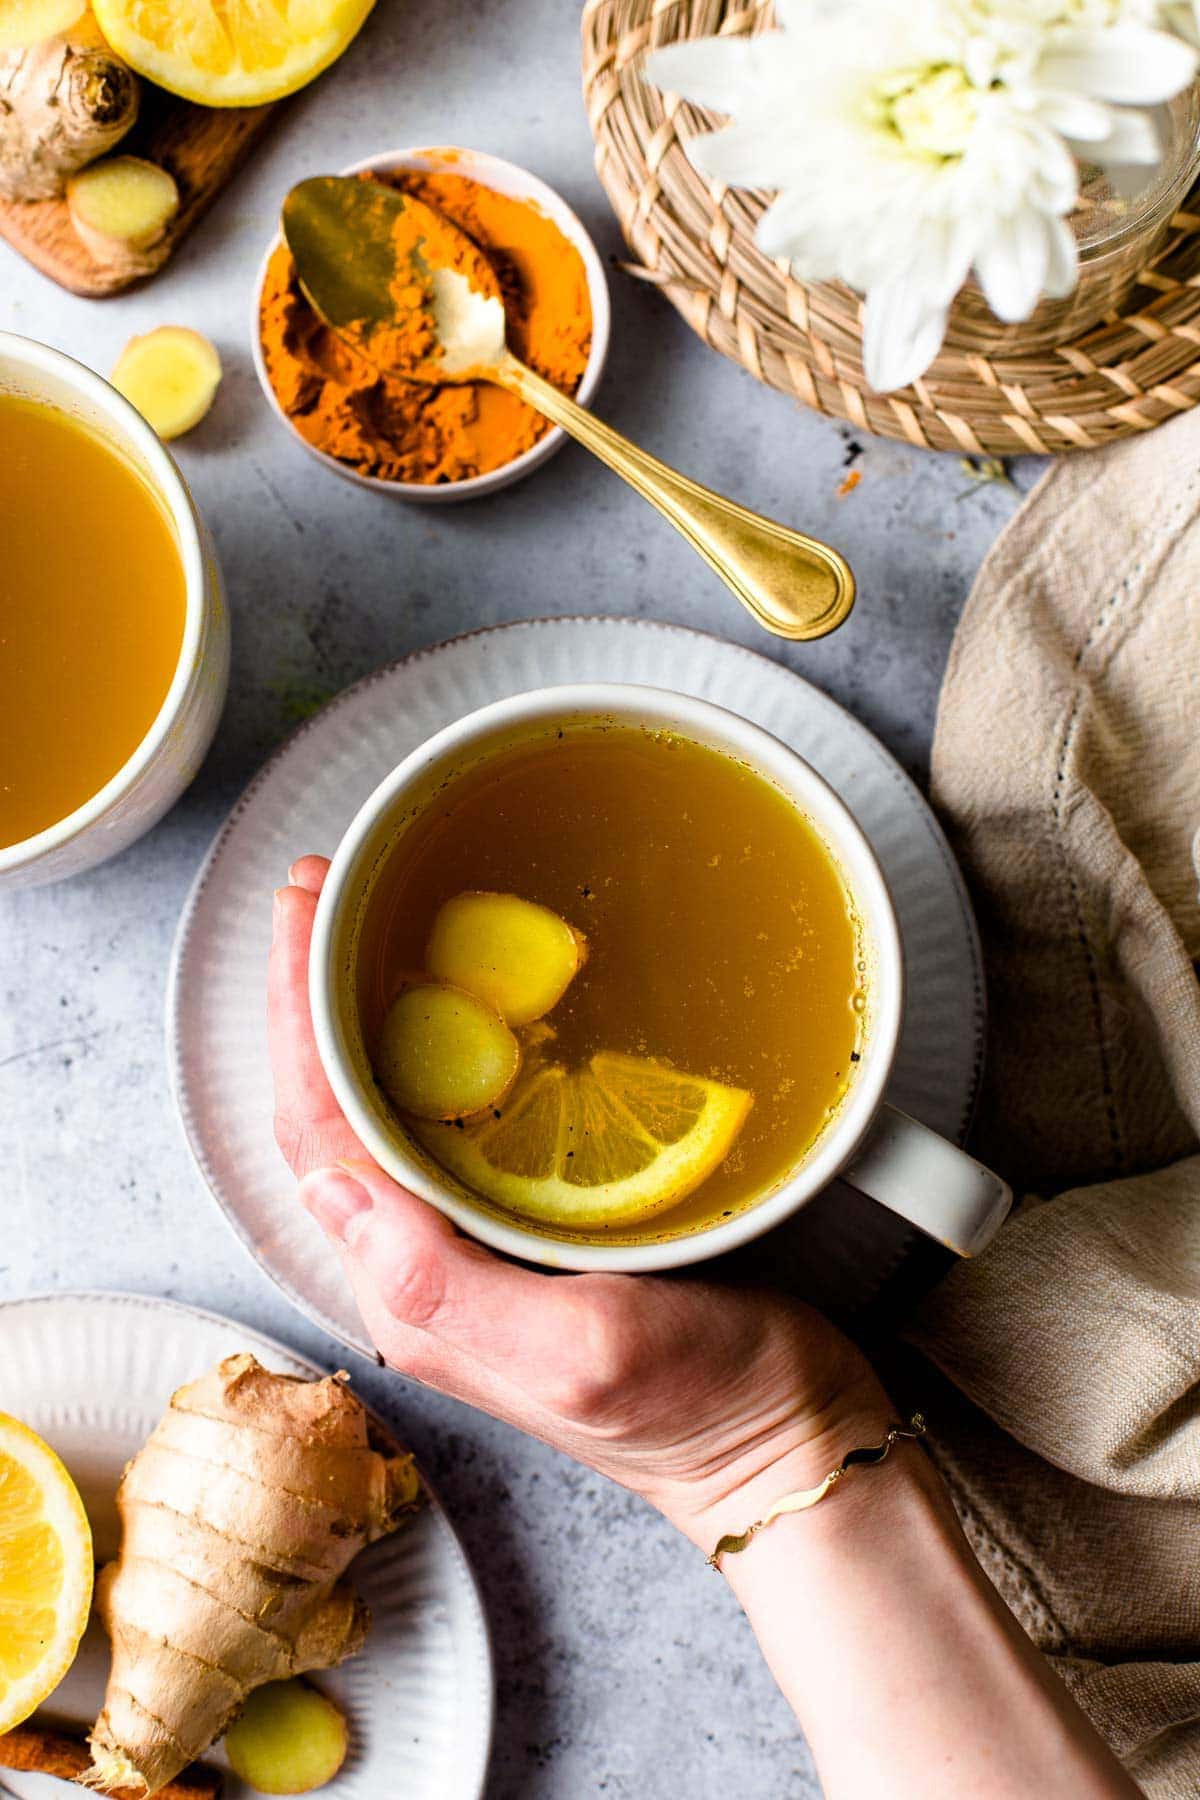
pixel 92 606
pixel 612 981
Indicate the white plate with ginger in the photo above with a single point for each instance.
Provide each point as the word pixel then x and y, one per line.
pixel 94 1375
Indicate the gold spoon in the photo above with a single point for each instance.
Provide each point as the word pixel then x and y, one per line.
pixel 339 231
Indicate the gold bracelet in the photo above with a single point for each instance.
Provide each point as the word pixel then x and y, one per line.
pixel 806 1497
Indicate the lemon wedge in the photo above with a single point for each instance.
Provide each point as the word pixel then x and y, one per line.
pixel 27 22
pixel 608 1144
pixel 45 1571
pixel 230 52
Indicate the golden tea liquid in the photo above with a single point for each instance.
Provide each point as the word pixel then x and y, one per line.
pixel 92 604
pixel 721 938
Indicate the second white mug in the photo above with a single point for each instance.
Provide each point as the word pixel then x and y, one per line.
pixel 165 761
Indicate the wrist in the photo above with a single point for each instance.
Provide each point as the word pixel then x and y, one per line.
pixel 859 1521
pixel 796 1456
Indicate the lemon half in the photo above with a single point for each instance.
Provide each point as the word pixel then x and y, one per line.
pixel 608 1144
pixel 230 52
pixel 27 22
pixel 45 1571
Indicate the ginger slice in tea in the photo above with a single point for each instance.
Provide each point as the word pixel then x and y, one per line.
pixel 444 1053
pixel 518 956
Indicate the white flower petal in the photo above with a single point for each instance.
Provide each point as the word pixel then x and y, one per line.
pixel 796 228
pixel 739 156
pixel 799 15
pixel 1062 266
pixel 1132 138
pixel 1012 266
pixel 1077 117
pixel 716 72
pixel 1123 62
pixel 902 333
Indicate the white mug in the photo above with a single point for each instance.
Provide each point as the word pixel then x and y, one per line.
pixel 902 1164
pixel 161 767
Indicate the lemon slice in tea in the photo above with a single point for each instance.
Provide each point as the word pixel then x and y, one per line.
pixel 45 1571
pixel 607 1144
pixel 230 52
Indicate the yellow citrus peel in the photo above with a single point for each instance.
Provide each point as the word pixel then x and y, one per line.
pixel 230 52
pixel 45 1571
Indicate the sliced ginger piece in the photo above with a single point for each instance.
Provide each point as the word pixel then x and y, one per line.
pixel 519 957
pixel 288 1739
pixel 120 208
pixel 26 22
pixel 444 1054
pixel 171 375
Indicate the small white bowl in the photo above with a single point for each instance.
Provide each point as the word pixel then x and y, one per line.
pixel 504 178
pixel 161 767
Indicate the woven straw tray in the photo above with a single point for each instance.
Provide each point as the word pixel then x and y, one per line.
pixel 694 240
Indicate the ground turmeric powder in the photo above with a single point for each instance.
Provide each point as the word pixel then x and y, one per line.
pixel 402 430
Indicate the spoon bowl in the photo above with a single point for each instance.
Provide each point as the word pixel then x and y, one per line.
pixel 402 260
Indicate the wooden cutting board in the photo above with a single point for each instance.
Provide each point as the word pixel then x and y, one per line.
pixel 202 146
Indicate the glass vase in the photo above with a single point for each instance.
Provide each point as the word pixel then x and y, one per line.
pixel 1120 226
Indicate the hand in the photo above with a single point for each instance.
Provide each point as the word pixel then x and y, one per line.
pixel 705 1399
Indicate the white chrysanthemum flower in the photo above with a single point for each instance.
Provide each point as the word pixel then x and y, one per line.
pixel 911 141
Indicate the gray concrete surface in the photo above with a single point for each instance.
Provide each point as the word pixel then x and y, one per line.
pixel 624 1668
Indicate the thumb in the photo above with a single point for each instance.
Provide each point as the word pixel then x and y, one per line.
pixel 388 1250
pixel 439 1305
pixel 391 1242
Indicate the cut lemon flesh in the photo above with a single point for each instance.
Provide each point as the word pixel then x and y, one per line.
pixel 45 1571
pixel 230 52
pixel 608 1144
pixel 26 22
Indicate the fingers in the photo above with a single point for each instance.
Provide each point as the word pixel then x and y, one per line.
pixel 310 873
pixel 526 1346
pixel 448 1310
pixel 309 1126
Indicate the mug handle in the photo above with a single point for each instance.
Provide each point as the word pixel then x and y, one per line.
pixel 930 1182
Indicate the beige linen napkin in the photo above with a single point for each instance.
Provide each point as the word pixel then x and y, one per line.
pixel 1067 768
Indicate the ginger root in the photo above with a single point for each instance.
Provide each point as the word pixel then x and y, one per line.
pixel 120 208
pixel 289 1739
pixel 171 374
pixel 239 1516
pixel 63 103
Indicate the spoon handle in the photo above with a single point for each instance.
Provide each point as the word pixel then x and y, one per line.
pixel 793 584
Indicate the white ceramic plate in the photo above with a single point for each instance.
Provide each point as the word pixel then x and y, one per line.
pixel 92 1373
pixel 841 1247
